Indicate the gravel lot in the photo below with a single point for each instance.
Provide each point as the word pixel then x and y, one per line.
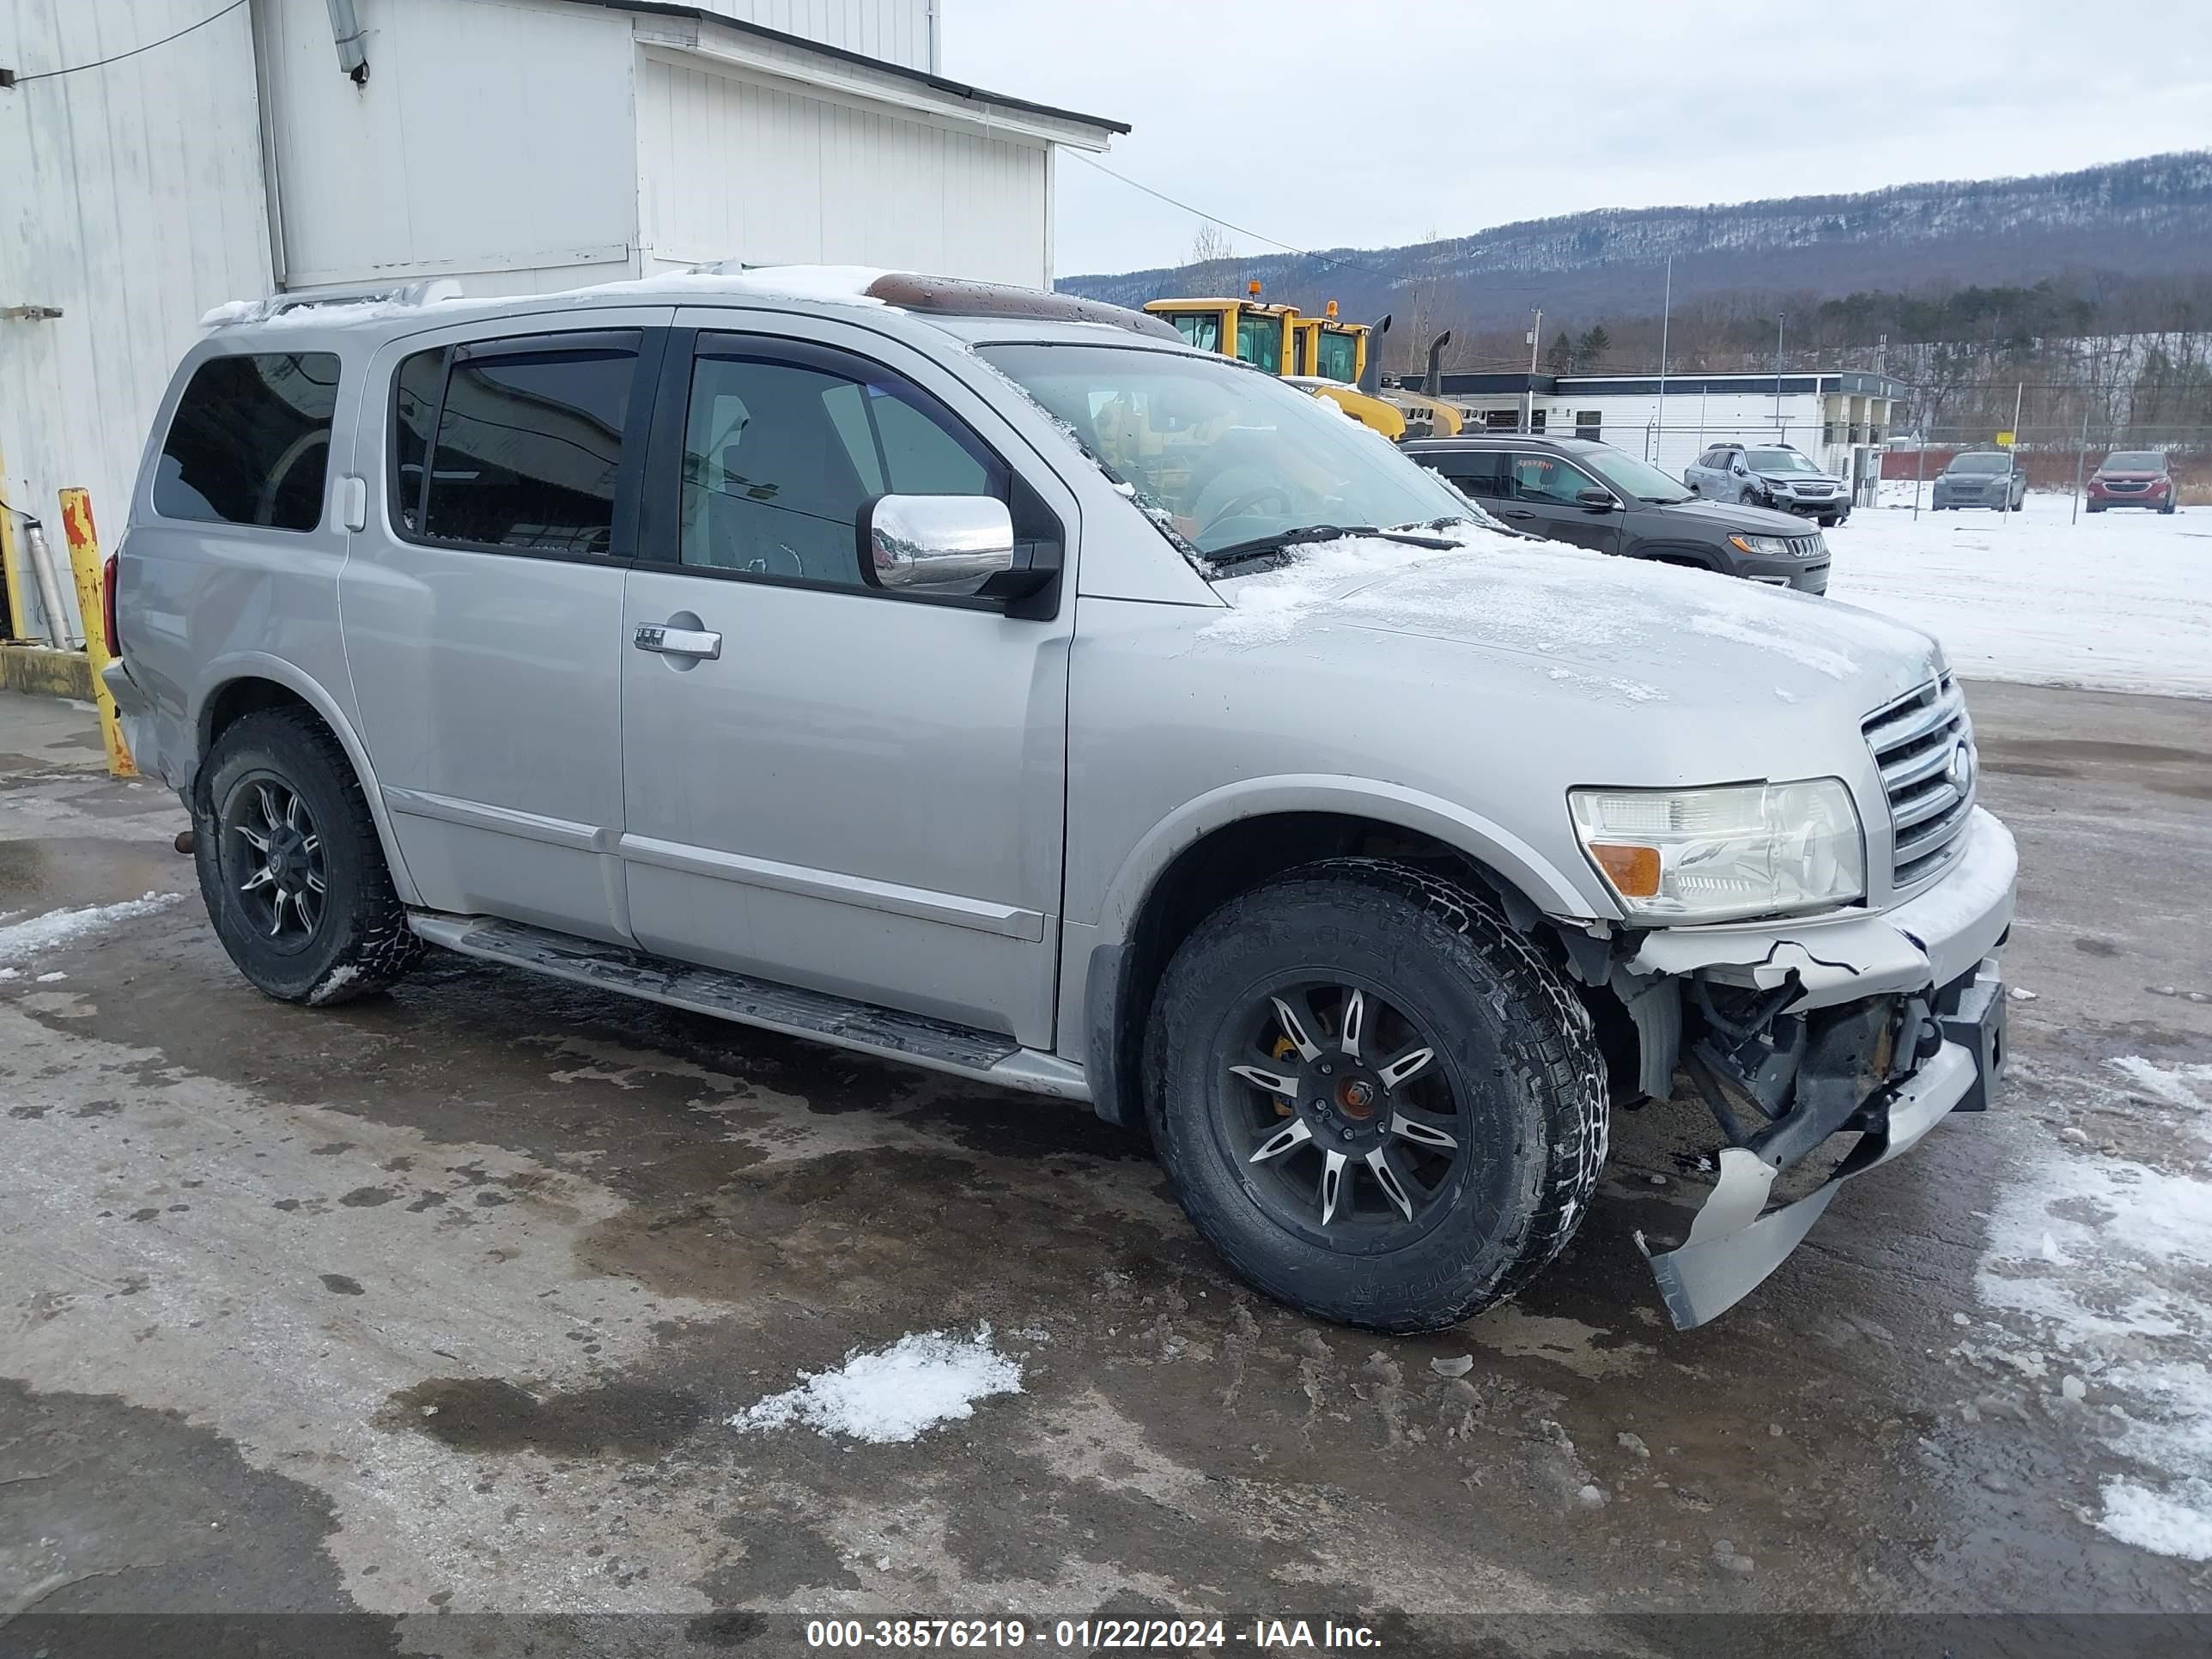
pixel 440 1303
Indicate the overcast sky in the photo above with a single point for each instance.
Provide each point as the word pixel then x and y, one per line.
pixel 1325 123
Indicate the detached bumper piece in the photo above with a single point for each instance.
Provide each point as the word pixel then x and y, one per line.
pixel 1890 1068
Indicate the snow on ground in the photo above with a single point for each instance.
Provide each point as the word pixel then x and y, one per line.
pixel 20 941
pixel 894 1393
pixel 2105 1266
pixel 2117 602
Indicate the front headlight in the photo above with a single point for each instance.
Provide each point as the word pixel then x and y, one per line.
pixel 1767 547
pixel 1754 849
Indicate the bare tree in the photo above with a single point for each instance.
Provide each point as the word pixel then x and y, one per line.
pixel 1211 245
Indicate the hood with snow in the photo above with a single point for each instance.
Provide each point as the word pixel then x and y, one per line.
pixel 1636 632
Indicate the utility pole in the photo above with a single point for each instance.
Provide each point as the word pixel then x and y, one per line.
pixel 1529 391
pixel 1666 312
pixel 2012 449
pixel 1778 316
pixel 2081 459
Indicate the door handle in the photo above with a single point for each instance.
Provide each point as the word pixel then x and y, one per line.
pixel 1516 513
pixel 678 642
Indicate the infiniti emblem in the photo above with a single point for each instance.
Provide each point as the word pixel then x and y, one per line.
pixel 1960 770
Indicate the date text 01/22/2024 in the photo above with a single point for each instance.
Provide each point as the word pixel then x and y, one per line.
pixel 1090 1635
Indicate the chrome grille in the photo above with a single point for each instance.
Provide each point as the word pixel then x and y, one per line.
pixel 1914 741
pixel 1805 547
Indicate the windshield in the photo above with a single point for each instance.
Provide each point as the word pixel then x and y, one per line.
pixel 1778 460
pixel 2135 460
pixel 1638 480
pixel 1260 342
pixel 1980 464
pixel 1337 356
pixel 1201 329
pixel 1221 454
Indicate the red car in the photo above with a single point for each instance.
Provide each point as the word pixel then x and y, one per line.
pixel 2133 477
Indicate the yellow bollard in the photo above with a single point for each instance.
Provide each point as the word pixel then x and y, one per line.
pixel 85 566
pixel 19 612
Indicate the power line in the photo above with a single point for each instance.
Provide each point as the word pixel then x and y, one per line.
pixel 102 63
pixel 1288 247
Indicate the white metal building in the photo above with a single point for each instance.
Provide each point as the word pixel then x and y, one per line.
pixel 1841 418
pixel 511 145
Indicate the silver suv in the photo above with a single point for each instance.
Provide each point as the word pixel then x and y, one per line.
pixel 983 679
pixel 1777 476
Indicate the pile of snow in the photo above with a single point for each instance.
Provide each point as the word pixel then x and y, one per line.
pixel 893 1394
pixel 21 941
pixel 2109 1262
pixel 2117 602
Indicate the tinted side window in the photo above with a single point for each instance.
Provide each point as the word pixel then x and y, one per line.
pixel 529 443
pixel 780 457
pixel 1548 479
pixel 1481 476
pixel 251 441
pixel 422 382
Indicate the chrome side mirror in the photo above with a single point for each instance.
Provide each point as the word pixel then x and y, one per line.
pixel 934 544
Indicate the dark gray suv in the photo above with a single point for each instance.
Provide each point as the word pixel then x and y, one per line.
pixel 1576 490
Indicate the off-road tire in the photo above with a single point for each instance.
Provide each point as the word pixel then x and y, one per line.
pixel 1502 1018
pixel 361 942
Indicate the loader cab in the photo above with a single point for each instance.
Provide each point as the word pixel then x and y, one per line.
pixel 1247 330
pixel 1330 350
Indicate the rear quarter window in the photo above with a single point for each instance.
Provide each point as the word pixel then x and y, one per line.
pixel 250 443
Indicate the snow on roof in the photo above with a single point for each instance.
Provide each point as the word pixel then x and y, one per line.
pixel 846 285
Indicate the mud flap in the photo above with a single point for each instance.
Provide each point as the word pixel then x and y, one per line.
pixel 1732 1247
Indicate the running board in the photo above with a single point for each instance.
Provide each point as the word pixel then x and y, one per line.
pixel 937 1044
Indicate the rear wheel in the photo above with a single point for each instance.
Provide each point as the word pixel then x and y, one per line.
pixel 290 866
pixel 1375 1099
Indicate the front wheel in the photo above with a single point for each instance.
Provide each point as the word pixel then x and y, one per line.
pixel 1376 1100
pixel 290 866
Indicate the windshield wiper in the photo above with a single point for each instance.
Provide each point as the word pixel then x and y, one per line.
pixel 1261 547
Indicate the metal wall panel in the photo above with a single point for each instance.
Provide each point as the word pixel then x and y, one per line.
pixel 902 32
pixel 491 143
pixel 730 168
pixel 131 197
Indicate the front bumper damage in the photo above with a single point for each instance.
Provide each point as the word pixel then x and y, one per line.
pixel 1876 1024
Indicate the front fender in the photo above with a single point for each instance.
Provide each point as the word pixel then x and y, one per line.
pixel 1537 879
pixel 227 670
pixel 1705 558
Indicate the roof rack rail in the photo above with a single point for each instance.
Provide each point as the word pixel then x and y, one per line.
pixel 428 290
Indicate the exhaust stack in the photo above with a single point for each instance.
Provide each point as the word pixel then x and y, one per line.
pixel 1371 378
pixel 1432 383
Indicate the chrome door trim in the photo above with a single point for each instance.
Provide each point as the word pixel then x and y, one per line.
pixel 1007 921
pixel 700 642
pixel 507 821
